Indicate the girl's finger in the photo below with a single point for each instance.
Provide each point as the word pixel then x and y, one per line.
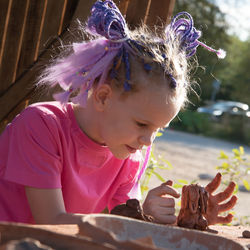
pixel 226 206
pixel 165 202
pixel 165 219
pixel 164 211
pixel 164 189
pixel 225 194
pixel 214 184
pixel 224 220
pixel 169 182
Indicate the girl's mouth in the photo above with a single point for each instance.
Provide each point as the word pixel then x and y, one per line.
pixel 130 149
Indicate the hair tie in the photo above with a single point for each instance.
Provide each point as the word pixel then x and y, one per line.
pixel 106 20
pixel 188 35
pixel 120 40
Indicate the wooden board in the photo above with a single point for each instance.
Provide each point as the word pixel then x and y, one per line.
pixel 229 232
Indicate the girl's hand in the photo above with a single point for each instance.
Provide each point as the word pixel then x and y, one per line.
pixel 214 207
pixel 160 206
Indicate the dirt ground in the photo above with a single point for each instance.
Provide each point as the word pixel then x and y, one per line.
pixel 195 157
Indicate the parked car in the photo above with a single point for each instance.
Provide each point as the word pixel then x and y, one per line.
pixel 219 108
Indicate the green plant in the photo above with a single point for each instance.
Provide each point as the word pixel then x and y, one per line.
pixel 235 168
pixel 154 163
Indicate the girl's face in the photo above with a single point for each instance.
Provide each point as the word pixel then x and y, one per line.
pixel 126 125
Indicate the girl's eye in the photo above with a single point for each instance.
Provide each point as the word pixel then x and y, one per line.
pixel 141 125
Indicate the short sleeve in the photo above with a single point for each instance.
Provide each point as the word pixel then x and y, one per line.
pixel 33 151
pixel 131 169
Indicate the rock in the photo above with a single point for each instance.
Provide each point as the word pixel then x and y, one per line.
pixel 246 234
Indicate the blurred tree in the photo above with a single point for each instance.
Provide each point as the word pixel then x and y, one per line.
pixel 236 74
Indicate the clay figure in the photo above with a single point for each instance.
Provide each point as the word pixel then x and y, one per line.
pixel 193 207
pixel 131 209
pixel 200 207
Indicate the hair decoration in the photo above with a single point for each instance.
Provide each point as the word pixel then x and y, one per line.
pixel 106 20
pixel 183 26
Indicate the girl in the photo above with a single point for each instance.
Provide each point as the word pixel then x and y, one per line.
pixel 61 160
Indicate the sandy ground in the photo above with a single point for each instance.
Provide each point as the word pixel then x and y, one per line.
pixel 195 157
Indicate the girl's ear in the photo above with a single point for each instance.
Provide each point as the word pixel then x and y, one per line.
pixel 101 96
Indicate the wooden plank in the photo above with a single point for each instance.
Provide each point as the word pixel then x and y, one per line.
pixel 136 12
pixel 70 7
pixel 12 44
pixel 5 7
pixel 51 23
pixel 22 105
pixel 17 92
pixel 160 11
pixel 82 11
pixel 122 5
pixel 31 35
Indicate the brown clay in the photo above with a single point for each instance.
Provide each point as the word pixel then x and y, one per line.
pixel 246 234
pixel 193 207
pixel 132 209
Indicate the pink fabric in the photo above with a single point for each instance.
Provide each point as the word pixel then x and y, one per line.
pixel 44 148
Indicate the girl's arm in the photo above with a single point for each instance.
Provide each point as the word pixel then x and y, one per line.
pixel 47 207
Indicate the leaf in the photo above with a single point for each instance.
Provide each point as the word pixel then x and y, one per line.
pixel 176 185
pixel 238 158
pixel 224 173
pixel 236 189
pixel 167 162
pixel 159 134
pixel 223 155
pixel 237 173
pixel 159 176
pixel 246 184
pixel 219 167
pixel 144 189
pixel 236 152
pixel 225 165
pixel 241 150
pixel 194 181
pixel 183 181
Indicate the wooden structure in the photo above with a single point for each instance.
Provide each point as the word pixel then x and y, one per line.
pixel 30 28
pixel 72 237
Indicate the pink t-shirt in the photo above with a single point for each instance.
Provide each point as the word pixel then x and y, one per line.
pixel 45 148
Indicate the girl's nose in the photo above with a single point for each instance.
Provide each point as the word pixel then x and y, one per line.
pixel 147 140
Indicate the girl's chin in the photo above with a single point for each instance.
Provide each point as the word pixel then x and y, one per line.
pixel 121 155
